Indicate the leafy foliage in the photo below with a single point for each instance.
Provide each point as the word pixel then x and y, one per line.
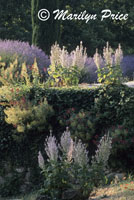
pixel 17 80
pixel 62 76
pixel 15 25
pixel 96 33
pixel 81 124
pixel 122 152
pixel 110 73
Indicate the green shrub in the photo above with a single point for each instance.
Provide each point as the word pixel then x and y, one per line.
pixel 108 106
pixel 123 148
pixel 81 124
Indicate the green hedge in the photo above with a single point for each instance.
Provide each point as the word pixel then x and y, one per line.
pixel 63 98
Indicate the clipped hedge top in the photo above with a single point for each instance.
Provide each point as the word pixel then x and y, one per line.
pixel 76 97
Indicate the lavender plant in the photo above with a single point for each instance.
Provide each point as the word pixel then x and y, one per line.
pixel 12 49
pixel 67 172
pixel 127 65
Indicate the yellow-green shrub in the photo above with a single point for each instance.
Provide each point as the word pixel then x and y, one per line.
pixel 27 117
pixel 17 74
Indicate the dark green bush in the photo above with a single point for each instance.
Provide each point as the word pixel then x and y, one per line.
pixel 123 148
pixel 81 124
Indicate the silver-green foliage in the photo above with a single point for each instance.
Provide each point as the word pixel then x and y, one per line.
pixel 67 172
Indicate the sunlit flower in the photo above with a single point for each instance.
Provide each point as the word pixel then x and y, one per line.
pixel 40 160
pixel 103 151
pixel 51 148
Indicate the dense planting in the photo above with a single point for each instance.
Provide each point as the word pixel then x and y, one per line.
pixel 31 108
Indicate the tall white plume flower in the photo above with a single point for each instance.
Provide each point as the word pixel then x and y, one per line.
pixel 79 56
pixel 40 160
pixel 118 55
pixel 65 59
pixel 80 154
pixel 62 57
pixel 55 55
pixel 103 151
pixel 97 59
pixel 107 55
pixel 51 148
pixel 66 144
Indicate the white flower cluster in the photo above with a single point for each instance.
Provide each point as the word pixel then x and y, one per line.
pixel 66 144
pixel 109 56
pixel 62 57
pixel 40 160
pixel 51 148
pixel 103 151
pixel 55 55
pixel 75 151
pixel 97 58
pixel 79 56
pixel 80 154
pixel 118 55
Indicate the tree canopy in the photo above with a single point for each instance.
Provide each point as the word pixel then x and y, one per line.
pixel 16 23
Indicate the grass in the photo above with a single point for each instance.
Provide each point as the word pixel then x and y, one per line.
pixel 123 190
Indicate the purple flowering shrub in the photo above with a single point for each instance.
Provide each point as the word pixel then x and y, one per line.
pixel 11 49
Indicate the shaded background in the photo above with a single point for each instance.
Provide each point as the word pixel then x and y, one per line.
pixel 16 23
